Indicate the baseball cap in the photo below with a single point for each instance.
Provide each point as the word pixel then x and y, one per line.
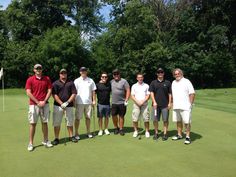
pixel 116 71
pixel 63 70
pixel 160 69
pixel 37 66
pixel 83 69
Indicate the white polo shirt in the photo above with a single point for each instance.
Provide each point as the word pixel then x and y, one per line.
pixel 84 88
pixel 140 91
pixel 180 91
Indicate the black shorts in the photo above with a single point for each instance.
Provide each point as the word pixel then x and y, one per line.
pixel 118 109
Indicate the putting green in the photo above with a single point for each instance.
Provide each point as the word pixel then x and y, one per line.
pixel 211 154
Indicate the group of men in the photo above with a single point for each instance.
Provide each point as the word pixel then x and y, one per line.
pixel 82 92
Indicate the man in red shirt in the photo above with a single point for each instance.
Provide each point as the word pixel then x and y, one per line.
pixel 38 88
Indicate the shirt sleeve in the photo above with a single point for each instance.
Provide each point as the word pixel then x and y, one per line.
pixel 28 84
pixel 93 86
pixel 54 88
pixel 126 84
pixel 147 92
pixel 73 89
pixel 151 87
pixel 190 87
pixel 132 90
pixel 49 83
pixel 169 88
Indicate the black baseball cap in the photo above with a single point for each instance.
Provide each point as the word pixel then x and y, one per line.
pixel 83 69
pixel 116 71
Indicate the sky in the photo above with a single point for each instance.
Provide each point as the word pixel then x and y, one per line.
pixel 104 11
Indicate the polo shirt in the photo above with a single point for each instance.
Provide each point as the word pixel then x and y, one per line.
pixel 63 91
pixel 39 87
pixel 84 88
pixel 103 93
pixel 119 90
pixel 140 91
pixel 180 91
pixel 161 90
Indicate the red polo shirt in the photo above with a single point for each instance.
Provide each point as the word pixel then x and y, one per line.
pixel 38 87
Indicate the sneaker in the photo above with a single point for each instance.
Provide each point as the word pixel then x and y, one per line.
pixel 135 134
pixel 155 137
pixel 122 133
pixel 116 131
pixel 177 137
pixel 77 137
pixel 100 133
pixel 187 140
pixel 30 147
pixel 107 132
pixel 147 134
pixel 73 139
pixel 55 141
pixel 164 137
pixel 89 135
pixel 47 144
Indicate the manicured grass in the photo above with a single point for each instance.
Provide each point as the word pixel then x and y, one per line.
pixel 211 154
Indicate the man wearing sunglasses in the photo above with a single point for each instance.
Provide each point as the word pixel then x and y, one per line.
pixel 103 108
pixel 38 88
pixel 63 92
pixel 120 96
pixel 160 90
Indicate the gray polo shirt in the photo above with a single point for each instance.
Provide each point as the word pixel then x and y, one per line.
pixel 118 90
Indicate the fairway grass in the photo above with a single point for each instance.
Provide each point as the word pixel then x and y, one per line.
pixel 211 154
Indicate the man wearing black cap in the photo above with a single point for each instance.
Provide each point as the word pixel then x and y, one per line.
pixel 38 89
pixel 64 93
pixel 120 96
pixel 160 90
pixel 85 99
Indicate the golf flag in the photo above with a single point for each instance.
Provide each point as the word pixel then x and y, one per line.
pixel 1 73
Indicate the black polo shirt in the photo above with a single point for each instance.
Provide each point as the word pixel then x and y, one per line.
pixel 161 92
pixel 63 91
pixel 103 93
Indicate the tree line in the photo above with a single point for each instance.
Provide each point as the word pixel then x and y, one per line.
pixel 195 35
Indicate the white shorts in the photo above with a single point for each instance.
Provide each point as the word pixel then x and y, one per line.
pixel 138 112
pixel 35 112
pixel 81 109
pixel 58 113
pixel 182 115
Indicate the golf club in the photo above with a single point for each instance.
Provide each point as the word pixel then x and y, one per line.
pixel 94 134
pixel 140 133
pixel 65 129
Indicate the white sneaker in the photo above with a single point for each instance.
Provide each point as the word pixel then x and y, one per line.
pixel 90 136
pixel 100 133
pixel 30 147
pixel 77 137
pixel 107 132
pixel 47 144
pixel 147 134
pixel 135 134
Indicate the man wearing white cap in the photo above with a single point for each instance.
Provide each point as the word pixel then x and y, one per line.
pixel 38 89
pixel 85 99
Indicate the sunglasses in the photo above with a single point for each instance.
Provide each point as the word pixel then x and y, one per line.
pixel 104 76
pixel 115 74
pixel 176 74
pixel 38 68
pixel 160 72
pixel 63 73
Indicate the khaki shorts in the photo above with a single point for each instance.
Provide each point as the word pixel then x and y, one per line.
pixel 81 109
pixel 138 112
pixel 58 113
pixel 35 112
pixel 182 115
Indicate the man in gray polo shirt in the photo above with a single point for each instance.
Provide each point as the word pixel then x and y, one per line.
pixel 120 96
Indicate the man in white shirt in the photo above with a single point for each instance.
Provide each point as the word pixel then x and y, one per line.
pixel 183 97
pixel 84 100
pixel 140 96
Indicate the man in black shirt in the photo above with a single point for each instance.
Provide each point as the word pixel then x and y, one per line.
pixel 160 90
pixel 103 108
pixel 64 93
